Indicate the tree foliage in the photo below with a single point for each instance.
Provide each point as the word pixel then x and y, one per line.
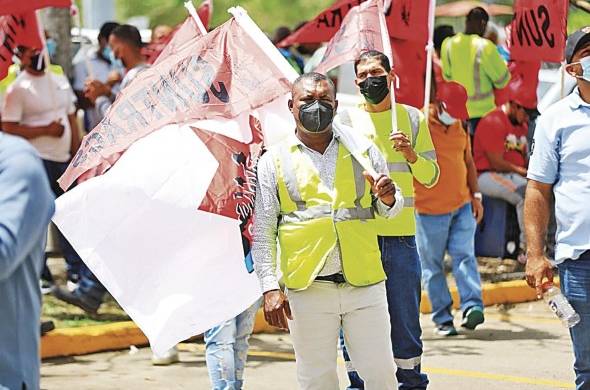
pixel 270 14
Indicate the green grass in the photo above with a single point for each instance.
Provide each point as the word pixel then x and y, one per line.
pixel 65 315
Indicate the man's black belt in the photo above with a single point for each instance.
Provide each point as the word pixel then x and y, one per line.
pixel 334 278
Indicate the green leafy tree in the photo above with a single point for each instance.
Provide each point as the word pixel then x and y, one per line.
pixel 268 14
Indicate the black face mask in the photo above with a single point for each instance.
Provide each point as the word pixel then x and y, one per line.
pixel 316 116
pixel 374 89
pixel 38 62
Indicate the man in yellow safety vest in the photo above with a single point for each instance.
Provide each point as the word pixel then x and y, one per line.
pixel 319 203
pixel 475 63
pixel 410 156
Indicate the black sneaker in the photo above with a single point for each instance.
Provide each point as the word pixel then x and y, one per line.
pixel 447 329
pixel 472 317
pixel 46 326
pixel 78 299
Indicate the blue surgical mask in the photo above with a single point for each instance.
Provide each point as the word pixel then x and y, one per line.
pixel 445 118
pixel 106 53
pixel 585 63
pixel 51 47
pixel 115 62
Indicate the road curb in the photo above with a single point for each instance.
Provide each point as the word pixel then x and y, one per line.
pixel 515 291
pixel 121 335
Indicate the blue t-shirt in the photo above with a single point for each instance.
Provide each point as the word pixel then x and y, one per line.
pixel 26 206
pixel 561 156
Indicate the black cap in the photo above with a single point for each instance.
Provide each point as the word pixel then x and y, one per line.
pixel 575 42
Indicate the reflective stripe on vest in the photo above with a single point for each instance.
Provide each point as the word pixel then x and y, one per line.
pixel 315 220
pixel 305 213
pixel 477 93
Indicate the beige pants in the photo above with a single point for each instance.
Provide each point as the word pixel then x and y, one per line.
pixel 318 314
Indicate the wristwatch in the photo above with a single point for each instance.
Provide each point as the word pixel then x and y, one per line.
pixel 478 195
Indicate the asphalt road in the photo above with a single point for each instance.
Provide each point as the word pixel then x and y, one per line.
pixel 522 347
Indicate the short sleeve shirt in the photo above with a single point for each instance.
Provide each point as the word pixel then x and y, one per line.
pixel 37 101
pixel 561 157
pixel 496 134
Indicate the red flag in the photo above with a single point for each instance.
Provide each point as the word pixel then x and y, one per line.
pixel 205 12
pixel 179 37
pixel 17 30
pixel 20 6
pixel 539 30
pixel 232 190
pixel 324 26
pixel 406 19
pixel 360 31
pixel 524 79
pixel 410 66
pixel 220 75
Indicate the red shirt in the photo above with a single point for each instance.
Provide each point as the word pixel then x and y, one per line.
pixel 495 133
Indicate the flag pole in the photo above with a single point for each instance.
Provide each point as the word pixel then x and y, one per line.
pixel 193 12
pixel 429 51
pixel 389 53
pixel 252 29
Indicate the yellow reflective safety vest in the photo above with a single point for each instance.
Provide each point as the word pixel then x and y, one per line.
pixel 314 220
pixel 475 63
pixel 377 127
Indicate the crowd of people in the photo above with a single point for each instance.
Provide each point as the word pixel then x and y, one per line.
pixel 355 248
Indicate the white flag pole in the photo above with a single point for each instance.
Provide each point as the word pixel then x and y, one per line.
pixel 252 29
pixel 193 12
pixel 389 53
pixel 429 51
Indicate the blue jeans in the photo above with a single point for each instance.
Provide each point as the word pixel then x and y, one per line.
pixel 54 171
pixel 454 232
pixel 227 349
pixel 575 284
pixel 402 267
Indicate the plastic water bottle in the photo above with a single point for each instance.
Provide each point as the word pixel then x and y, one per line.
pixel 560 306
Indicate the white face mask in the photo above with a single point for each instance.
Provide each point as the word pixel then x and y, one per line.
pixel 585 64
pixel 445 118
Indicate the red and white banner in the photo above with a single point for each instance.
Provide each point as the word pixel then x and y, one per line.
pixel 360 31
pixel 538 31
pixel 17 30
pixel 20 6
pixel 406 19
pixel 167 229
pixel 221 75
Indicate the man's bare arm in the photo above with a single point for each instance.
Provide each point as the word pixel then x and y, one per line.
pixel 536 219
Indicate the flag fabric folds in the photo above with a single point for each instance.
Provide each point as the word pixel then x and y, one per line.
pixel 360 32
pixel 167 229
pixel 221 75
